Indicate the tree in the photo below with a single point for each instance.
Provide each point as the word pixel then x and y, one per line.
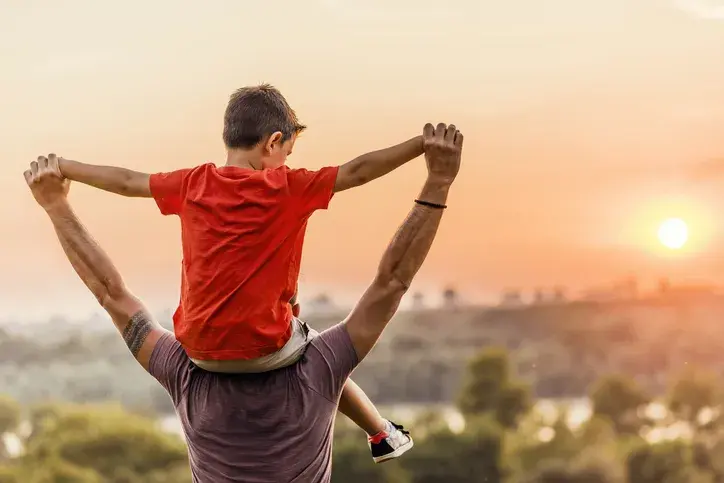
pixel 489 389
pixel 619 399
pixel 475 455
pixel 9 421
pixel 560 472
pixel 9 415
pixel 668 462
pixel 100 444
pixel 692 393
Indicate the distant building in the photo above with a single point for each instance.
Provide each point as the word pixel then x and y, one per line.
pixel 664 286
pixel 511 298
pixel 418 301
pixel 450 298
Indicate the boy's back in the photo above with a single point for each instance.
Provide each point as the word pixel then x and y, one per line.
pixel 242 234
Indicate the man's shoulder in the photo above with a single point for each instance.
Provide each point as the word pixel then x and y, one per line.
pixel 328 361
pixel 333 346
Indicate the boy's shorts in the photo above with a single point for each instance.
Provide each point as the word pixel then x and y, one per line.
pixel 292 351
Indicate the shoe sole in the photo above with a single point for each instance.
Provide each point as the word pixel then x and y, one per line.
pixel 397 453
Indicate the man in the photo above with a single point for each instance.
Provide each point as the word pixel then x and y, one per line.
pixel 268 427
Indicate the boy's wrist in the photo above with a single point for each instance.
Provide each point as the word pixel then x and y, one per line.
pixel 419 144
pixel 64 166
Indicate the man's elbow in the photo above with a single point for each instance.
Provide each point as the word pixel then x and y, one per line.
pixel 391 285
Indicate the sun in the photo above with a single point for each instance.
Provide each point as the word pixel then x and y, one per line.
pixel 673 233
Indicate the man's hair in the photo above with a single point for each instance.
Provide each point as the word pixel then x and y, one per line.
pixel 256 112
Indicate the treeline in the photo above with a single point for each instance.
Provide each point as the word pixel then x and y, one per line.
pixel 503 440
pixel 560 350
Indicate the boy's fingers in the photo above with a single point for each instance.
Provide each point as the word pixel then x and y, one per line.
pixel 428 131
pixel 34 167
pixel 28 175
pixel 440 130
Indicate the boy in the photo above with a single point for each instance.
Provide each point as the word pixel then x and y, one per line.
pixel 242 229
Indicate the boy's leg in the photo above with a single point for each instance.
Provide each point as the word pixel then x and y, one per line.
pixel 386 439
pixel 355 404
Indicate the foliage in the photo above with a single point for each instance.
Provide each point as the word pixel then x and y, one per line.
pixel 490 389
pixel 9 414
pixel 691 393
pixel 97 444
pixel 620 399
pixel 502 440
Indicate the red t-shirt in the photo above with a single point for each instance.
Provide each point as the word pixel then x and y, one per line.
pixel 242 233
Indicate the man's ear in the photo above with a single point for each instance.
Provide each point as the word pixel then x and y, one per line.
pixel 273 141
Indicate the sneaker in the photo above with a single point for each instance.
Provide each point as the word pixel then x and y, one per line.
pixel 390 445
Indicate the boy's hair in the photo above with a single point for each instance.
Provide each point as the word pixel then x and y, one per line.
pixel 256 112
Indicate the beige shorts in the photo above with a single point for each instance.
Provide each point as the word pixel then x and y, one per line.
pixel 292 351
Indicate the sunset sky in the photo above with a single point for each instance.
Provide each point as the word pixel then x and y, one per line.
pixel 587 123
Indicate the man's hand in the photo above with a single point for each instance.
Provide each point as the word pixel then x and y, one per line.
pixel 48 186
pixel 443 146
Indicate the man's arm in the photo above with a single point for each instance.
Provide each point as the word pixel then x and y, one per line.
pixel 94 267
pixel 370 166
pixel 121 181
pixel 411 244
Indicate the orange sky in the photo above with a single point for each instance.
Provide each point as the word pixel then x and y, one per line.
pixel 586 122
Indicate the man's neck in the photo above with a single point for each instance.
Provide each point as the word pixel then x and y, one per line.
pixel 242 158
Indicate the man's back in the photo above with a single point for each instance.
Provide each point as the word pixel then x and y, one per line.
pixel 242 233
pixel 240 427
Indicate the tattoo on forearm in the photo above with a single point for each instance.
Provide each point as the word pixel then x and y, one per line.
pixel 136 331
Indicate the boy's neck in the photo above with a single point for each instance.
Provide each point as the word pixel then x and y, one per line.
pixel 244 158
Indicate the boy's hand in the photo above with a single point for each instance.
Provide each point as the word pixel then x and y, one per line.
pixel 443 147
pixel 48 186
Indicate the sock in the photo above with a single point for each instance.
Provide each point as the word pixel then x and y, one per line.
pixel 377 438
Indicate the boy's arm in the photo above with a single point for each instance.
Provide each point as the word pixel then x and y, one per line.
pixel 109 178
pixel 367 167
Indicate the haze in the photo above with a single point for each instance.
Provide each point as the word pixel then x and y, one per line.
pixel 587 123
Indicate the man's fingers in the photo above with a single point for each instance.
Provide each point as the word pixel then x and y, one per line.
pixel 53 161
pixel 458 138
pixel 428 131
pixel 34 167
pixel 440 131
pixel 28 176
pixel 450 133
pixel 42 162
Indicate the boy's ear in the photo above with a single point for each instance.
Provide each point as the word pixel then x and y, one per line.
pixel 272 141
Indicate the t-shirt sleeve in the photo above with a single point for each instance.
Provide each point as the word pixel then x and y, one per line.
pixel 167 189
pixel 312 190
pixel 329 360
pixel 170 366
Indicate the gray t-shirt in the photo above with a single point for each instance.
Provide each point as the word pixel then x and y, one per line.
pixel 272 427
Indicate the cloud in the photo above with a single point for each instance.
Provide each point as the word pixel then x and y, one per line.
pixel 703 9
pixel 708 170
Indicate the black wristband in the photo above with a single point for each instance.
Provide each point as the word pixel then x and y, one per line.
pixel 430 204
